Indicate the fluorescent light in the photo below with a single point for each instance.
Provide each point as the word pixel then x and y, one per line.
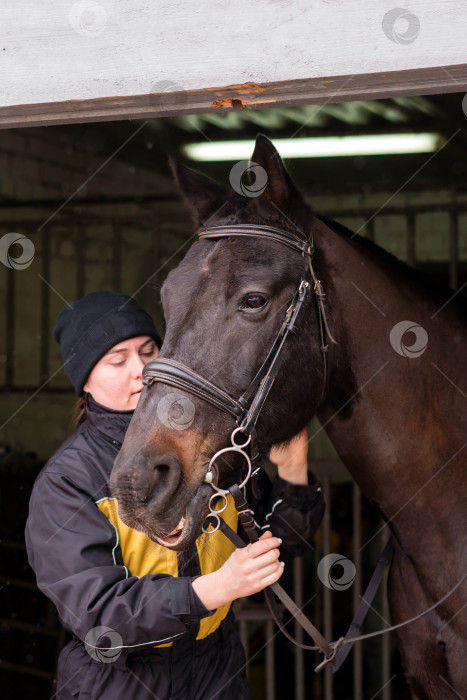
pixel 319 147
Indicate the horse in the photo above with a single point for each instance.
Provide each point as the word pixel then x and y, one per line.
pixel 393 402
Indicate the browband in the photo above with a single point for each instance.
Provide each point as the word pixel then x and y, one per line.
pixel 284 237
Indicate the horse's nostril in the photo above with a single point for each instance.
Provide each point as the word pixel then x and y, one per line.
pixel 153 480
pixel 161 473
pixel 162 480
pixel 161 468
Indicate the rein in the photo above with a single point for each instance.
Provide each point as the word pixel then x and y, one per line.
pixel 336 652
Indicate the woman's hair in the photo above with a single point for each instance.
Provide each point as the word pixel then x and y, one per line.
pixel 79 414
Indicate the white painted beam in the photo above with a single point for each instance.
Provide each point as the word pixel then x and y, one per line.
pixel 73 55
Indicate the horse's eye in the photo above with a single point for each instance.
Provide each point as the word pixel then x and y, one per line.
pixel 253 302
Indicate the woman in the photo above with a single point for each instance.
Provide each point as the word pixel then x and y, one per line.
pixel 137 606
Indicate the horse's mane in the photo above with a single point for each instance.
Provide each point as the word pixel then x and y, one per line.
pixel 435 290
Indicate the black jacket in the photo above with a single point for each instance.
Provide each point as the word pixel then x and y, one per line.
pixel 113 587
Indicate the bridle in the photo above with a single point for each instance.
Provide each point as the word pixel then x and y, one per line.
pixel 247 408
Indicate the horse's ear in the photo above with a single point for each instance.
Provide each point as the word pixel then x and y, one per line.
pixel 279 189
pixel 203 195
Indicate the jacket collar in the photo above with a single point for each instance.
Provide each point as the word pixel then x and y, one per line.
pixel 111 424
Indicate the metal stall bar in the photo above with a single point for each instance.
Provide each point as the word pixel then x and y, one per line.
pixel 453 250
pixel 248 612
pixel 156 308
pixel 358 212
pixel 243 632
pixel 386 638
pixel 117 259
pixel 317 678
pixel 10 328
pixel 357 587
pixel 270 661
pixel 80 261
pixel 298 630
pixel 411 222
pixel 45 307
pixel 328 680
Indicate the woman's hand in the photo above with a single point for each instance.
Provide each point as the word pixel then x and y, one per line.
pixel 291 460
pixel 246 571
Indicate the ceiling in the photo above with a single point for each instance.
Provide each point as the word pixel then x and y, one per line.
pixel 442 113
pixel 329 119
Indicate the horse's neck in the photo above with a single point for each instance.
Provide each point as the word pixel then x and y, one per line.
pixel 394 421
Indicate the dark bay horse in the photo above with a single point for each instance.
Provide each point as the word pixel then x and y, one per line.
pixel 395 405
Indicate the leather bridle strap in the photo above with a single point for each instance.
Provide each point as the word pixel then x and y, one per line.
pixel 264 379
pixel 248 525
pixel 334 652
pixel 365 604
pixel 287 601
pixel 306 248
pixel 259 231
pixel 175 374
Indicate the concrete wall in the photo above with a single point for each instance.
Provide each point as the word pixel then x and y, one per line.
pixel 33 166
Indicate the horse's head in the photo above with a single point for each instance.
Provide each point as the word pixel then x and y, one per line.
pixel 223 305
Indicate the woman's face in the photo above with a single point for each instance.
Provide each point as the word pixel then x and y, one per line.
pixel 116 380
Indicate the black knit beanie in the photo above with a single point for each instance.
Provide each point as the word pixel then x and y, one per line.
pixel 91 326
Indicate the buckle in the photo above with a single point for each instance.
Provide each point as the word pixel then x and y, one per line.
pixel 304 290
pixel 330 659
pixel 288 315
pixel 308 249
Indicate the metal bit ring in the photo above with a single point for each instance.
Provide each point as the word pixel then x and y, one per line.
pixel 232 438
pixel 216 519
pixel 238 450
pixel 217 511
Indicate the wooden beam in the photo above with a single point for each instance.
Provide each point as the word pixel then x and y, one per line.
pixel 419 81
